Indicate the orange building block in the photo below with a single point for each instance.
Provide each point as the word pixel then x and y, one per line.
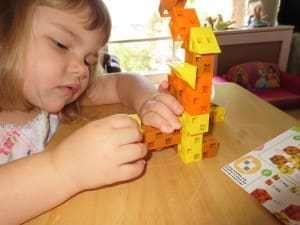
pixel 195 101
pixel 204 63
pixel 182 19
pixel 177 86
pixel 210 146
pixel 166 6
pixel 204 83
pixel 197 104
pixel 155 139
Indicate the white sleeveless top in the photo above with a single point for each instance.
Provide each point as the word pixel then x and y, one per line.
pixel 17 141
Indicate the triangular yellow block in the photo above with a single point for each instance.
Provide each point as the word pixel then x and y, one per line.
pixel 203 41
pixel 186 72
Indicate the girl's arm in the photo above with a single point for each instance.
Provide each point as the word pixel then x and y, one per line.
pixel 102 152
pixel 127 88
pixel 29 187
pixel 155 108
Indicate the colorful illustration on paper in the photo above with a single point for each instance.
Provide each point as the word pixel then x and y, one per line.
pixel 271 174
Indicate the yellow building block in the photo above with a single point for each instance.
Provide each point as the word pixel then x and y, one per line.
pixel 203 41
pixel 193 127
pixel 217 113
pixel 186 72
pixel 138 120
pixel 194 124
pixel 190 149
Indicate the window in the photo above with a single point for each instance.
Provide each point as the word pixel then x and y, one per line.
pixel 141 38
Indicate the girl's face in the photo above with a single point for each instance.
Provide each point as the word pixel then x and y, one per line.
pixel 60 51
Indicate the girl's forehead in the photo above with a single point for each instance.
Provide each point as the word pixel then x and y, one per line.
pixel 93 13
pixel 73 23
pixel 82 15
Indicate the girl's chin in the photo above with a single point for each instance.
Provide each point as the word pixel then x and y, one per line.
pixel 55 109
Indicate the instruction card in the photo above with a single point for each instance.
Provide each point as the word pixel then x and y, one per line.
pixel 271 174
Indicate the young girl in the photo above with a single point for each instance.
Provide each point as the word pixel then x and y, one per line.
pixel 48 56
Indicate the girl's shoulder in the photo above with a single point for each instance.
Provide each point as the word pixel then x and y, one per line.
pixel 17 141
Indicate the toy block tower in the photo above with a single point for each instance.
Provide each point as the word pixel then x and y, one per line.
pixel 191 80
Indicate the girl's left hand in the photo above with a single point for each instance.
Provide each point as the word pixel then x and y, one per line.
pixel 161 110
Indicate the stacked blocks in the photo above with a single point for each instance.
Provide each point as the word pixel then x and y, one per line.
pixel 191 82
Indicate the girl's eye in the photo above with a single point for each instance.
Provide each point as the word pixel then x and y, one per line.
pixel 86 62
pixel 60 45
pixel 89 64
pixel 90 60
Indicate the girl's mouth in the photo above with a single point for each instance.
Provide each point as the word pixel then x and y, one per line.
pixel 70 90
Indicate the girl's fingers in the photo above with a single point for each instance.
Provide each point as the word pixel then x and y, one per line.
pixel 169 101
pixel 156 120
pixel 131 170
pixel 164 87
pixel 128 135
pixel 121 121
pixel 132 152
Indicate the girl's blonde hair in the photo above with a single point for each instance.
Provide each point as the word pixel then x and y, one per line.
pixel 15 30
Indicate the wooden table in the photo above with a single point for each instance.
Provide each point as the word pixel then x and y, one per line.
pixel 172 193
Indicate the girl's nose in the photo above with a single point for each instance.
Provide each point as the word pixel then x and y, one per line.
pixel 79 69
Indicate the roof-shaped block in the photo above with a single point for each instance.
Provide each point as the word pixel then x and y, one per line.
pixel 203 41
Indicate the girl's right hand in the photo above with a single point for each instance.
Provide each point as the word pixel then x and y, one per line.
pixel 102 152
pixel 161 110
